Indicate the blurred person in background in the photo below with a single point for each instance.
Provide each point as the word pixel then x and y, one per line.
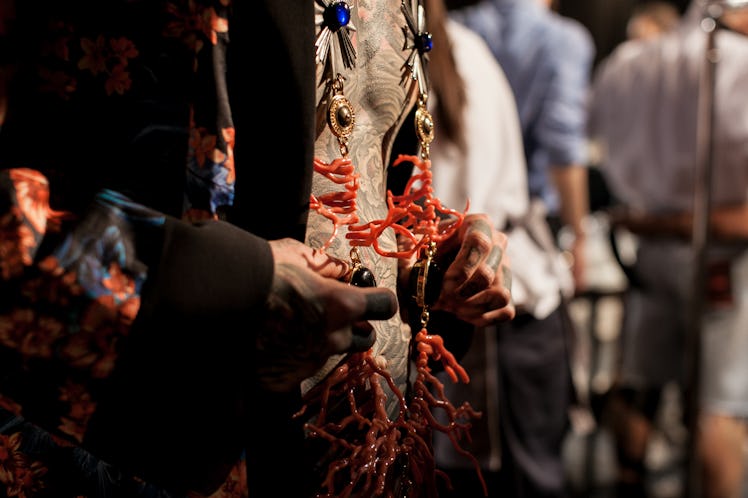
pixel 645 114
pixel 651 19
pixel 520 373
pixel 547 59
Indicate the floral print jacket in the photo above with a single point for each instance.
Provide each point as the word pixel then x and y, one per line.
pixel 71 280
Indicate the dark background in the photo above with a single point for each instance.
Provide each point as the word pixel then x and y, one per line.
pixel 606 19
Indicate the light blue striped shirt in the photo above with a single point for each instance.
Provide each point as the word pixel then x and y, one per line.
pixel 547 59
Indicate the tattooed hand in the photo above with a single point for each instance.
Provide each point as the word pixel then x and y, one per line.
pixel 311 315
pixel 477 282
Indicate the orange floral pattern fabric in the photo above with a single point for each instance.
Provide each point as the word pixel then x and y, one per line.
pixel 70 286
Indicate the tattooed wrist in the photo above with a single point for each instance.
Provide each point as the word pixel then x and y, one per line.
pixel 290 343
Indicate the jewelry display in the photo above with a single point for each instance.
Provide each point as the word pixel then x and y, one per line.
pixel 336 28
pixel 367 453
pixel 338 206
pixel 419 42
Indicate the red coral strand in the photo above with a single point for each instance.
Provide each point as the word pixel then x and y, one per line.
pixel 339 206
pixel 417 221
pixel 371 454
pixel 367 453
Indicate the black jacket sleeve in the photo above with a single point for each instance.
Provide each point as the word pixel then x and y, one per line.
pixel 175 409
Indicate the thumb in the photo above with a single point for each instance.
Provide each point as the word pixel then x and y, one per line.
pixel 349 304
pixel 350 309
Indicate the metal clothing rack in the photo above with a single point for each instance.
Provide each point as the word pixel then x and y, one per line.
pixel 710 24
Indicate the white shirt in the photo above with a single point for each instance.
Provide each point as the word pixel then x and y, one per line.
pixel 492 175
pixel 644 114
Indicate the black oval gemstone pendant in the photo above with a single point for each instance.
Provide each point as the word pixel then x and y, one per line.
pixel 425 282
pixel 361 276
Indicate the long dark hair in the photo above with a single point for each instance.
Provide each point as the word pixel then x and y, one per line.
pixel 447 86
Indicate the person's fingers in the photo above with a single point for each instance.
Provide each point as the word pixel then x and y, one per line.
pixel 499 310
pixel 452 243
pixel 363 337
pixel 491 305
pixel 504 314
pixel 506 276
pixel 476 263
pixel 327 266
pixel 485 307
pixel 308 318
pixel 292 251
pixel 350 309
pixel 350 304
pixel 357 338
